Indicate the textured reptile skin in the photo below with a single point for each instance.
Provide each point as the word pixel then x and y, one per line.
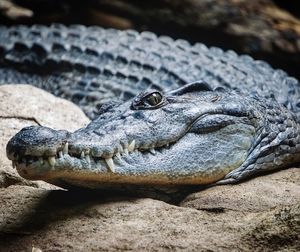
pixel 91 65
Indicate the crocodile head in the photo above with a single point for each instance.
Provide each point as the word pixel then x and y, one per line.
pixel 192 135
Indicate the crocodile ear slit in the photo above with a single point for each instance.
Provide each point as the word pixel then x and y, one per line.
pixel 198 86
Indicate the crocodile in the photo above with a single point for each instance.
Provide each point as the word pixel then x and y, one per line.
pixel 163 111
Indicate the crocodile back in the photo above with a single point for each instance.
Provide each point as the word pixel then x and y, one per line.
pixel 91 65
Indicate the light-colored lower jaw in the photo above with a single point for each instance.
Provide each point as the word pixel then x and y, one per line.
pixel 98 174
pixel 94 179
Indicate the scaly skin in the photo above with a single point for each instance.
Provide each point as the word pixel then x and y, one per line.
pixel 196 134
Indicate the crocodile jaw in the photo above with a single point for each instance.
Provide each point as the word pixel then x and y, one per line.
pixel 221 152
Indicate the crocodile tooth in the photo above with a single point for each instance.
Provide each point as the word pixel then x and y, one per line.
pixel 126 151
pixel 131 146
pixel 41 160
pixel 14 164
pixel 88 159
pixel 110 164
pixel 118 155
pixel 152 151
pixel 66 148
pixel 82 155
pixel 60 154
pixel 51 161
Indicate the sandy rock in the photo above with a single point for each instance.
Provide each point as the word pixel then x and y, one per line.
pixel 281 188
pixel 24 105
pixel 32 104
pixel 276 230
pixel 14 11
pixel 85 221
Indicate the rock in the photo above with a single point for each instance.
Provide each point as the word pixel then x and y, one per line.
pixel 13 11
pixel 261 214
pixel 276 230
pixel 81 221
pixel 24 105
pixel 281 188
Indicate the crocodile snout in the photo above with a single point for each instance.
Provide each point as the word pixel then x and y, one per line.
pixel 35 141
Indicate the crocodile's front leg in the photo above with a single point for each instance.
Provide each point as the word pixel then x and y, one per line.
pixel 277 145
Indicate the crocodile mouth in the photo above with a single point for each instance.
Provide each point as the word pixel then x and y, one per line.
pixel 69 163
pixel 162 164
pixel 64 156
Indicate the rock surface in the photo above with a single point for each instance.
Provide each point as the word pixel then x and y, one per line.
pixel 262 214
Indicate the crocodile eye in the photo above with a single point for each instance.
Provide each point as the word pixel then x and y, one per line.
pixel 148 100
pixel 152 99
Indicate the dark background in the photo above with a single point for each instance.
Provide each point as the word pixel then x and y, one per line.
pixel 265 29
